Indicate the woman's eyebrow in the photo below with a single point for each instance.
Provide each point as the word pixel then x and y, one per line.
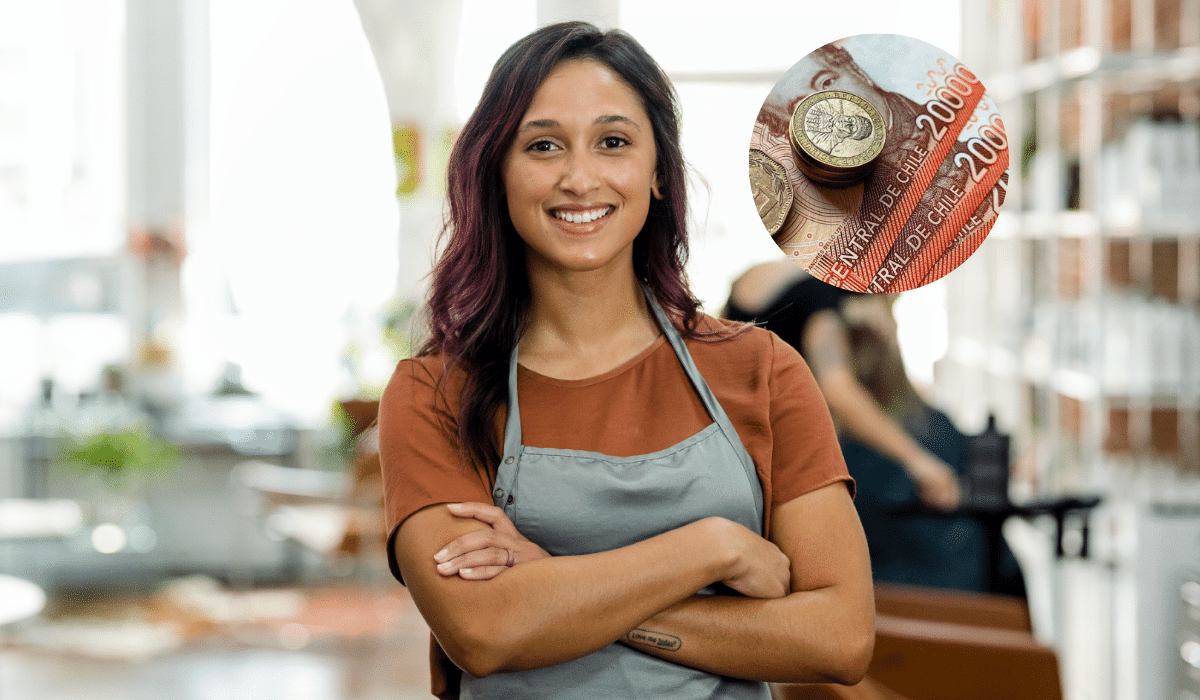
pixel 539 124
pixel 602 119
pixel 616 119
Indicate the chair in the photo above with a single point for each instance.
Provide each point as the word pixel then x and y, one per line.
pixel 950 606
pixel 39 518
pixel 19 599
pixel 29 519
pixel 868 689
pixel 935 644
pixel 329 513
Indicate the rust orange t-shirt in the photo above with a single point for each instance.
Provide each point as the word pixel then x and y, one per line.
pixel 645 405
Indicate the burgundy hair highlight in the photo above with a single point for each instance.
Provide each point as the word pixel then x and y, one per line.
pixel 479 296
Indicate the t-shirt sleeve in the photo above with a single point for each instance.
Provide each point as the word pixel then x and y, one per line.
pixel 418 453
pixel 805 454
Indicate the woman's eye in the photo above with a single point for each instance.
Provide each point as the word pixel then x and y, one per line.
pixel 614 142
pixel 826 83
pixel 542 146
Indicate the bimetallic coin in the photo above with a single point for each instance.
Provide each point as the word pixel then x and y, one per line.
pixel 771 188
pixel 836 136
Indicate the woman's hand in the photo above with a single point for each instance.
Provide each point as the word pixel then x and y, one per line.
pixel 757 569
pixel 484 554
pixel 936 482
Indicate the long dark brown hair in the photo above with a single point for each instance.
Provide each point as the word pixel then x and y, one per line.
pixel 479 297
pixel 879 367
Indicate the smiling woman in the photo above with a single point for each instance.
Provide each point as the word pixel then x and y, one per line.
pixel 594 489
pixel 579 174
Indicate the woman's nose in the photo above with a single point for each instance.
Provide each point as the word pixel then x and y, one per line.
pixel 580 174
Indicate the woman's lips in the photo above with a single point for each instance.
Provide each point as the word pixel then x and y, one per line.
pixel 581 216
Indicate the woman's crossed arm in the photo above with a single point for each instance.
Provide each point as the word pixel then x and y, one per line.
pixel 556 609
pixel 822 631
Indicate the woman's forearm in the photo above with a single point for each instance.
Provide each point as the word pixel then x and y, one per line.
pixel 827 348
pixel 822 632
pixel 806 637
pixel 553 610
pixel 865 420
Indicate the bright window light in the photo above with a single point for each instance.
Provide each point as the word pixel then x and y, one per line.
pixel 304 217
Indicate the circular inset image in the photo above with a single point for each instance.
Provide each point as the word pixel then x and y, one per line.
pixel 894 157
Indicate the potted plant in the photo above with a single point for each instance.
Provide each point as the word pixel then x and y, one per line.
pixel 118 462
pixel 123 456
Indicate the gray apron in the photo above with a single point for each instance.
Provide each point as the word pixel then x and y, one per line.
pixel 573 502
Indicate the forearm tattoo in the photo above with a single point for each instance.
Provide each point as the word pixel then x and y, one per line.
pixel 658 640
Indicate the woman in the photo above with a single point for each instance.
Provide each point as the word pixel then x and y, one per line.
pixel 906 545
pixel 579 461
pixel 815 318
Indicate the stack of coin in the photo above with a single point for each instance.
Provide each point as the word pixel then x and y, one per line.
pixel 771 189
pixel 837 137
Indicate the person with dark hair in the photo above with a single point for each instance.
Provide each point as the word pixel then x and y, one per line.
pixel 904 455
pixel 908 546
pixel 811 316
pixel 594 489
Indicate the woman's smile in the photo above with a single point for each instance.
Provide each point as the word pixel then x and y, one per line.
pixel 576 216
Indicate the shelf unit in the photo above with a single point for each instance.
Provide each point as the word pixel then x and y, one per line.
pixel 1077 323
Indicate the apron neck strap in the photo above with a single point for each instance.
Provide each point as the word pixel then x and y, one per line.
pixel 512 426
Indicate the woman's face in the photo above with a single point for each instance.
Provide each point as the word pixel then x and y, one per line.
pixel 578 174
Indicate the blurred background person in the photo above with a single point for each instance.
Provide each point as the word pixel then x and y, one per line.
pixel 907 546
pixel 810 315
pixel 905 455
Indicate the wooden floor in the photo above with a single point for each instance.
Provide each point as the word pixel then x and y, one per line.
pixel 341 641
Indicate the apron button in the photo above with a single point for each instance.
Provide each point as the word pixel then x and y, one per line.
pixel 510 499
pixel 498 493
pixel 510 460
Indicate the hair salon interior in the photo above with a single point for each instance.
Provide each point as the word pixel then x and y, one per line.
pixel 216 218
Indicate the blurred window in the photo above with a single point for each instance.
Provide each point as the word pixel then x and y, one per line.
pixel 302 247
pixel 61 132
pixel 62 192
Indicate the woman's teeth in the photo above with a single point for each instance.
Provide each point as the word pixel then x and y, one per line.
pixel 582 217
